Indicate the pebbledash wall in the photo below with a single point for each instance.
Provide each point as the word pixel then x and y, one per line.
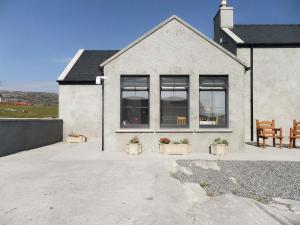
pixel 81 109
pixel 276 86
pixel 174 49
pixel 23 134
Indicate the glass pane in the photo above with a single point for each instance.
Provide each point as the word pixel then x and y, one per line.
pixel 128 82
pixel 135 98
pixel 174 82
pixel 219 99
pixel 213 82
pixel 135 101
pixel 134 81
pixel 134 116
pixel 206 98
pixel 212 108
pixel 174 108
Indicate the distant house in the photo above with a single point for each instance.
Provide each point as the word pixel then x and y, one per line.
pixel 0 97
pixel 176 82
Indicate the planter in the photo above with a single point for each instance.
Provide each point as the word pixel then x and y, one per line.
pixel 134 149
pixel 175 149
pixel 79 139
pixel 218 150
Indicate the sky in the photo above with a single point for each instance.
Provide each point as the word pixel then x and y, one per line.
pixel 39 37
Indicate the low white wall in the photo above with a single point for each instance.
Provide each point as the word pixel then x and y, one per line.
pixel 80 109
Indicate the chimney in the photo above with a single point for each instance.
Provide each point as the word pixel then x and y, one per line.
pixel 223 19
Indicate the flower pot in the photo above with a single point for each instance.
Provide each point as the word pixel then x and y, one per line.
pixel 218 150
pixel 175 149
pixel 134 149
pixel 79 139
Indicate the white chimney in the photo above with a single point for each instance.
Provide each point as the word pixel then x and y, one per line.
pixel 223 19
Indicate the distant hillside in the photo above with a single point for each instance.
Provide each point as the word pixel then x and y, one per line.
pixel 36 98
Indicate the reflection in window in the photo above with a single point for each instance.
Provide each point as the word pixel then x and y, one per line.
pixel 213 101
pixel 174 101
pixel 134 101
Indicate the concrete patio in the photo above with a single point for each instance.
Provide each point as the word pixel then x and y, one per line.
pixel 78 184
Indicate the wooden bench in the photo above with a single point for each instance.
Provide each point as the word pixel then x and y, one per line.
pixel 294 134
pixel 265 130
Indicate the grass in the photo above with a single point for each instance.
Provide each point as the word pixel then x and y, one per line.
pixel 35 111
pixel 204 185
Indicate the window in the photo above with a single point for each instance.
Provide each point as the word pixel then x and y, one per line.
pixel 134 101
pixel 174 94
pixel 213 101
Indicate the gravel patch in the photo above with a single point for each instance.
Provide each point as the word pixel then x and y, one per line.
pixel 259 180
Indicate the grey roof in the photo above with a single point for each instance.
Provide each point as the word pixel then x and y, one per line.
pixel 268 34
pixel 86 67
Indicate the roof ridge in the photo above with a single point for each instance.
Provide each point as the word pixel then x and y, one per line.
pixel 296 24
pixel 103 50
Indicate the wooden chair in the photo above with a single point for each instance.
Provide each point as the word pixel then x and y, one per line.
pixel 181 120
pixel 265 130
pixel 294 134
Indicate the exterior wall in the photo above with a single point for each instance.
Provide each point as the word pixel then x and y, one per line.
pixel 23 134
pixel 245 55
pixel 276 90
pixel 80 109
pixel 276 86
pixel 173 50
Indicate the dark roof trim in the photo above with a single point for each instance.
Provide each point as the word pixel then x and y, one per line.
pixel 266 45
pixel 62 82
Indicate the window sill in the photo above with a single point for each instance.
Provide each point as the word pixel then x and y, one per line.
pixel 135 131
pixel 214 130
pixel 203 130
pixel 174 131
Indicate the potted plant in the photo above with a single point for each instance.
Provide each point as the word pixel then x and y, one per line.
pixel 76 138
pixel 219 147
pixel 134 147
pixel 174 148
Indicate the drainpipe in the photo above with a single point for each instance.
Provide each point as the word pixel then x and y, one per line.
pixel 251 93
pixel 102 78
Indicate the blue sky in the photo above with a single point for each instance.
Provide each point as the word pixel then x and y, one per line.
pixel 38 37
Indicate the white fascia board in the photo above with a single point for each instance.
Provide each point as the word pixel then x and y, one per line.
pixel 70 65
pixel 174 17
pixel 233 36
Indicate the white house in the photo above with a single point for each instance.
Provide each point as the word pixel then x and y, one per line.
pixel 176 82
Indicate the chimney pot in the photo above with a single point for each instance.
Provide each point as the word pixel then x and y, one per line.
pixel 223 3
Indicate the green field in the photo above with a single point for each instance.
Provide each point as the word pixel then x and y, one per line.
pixel 35 111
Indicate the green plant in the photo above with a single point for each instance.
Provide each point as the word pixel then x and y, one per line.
pixel 204 185
pixel 176 142
pixel 219 141
pixel 134 140
pixel 184 141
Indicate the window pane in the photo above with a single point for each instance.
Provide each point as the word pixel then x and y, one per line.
pixel 134 101
pixel 213 82
pixel 135 98
pixel 213 101
pixel 134 116
pixel 134 82
pixel 206 99
pixel 174 101
pixel 219 99
pixel 174 82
